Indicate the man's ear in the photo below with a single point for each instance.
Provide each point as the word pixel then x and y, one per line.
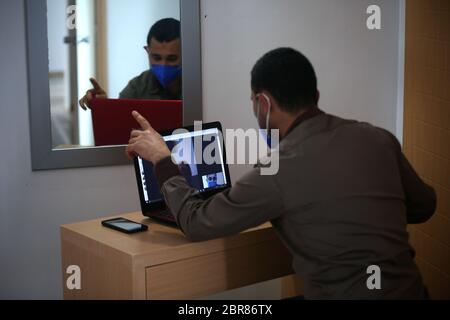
pixel 266 100
pixel 317 97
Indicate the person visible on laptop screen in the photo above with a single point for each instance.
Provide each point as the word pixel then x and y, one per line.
pixel 341 200
pixel 163 80
pixel 201 175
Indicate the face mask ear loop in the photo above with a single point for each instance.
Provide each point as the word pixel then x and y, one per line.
pixel 268 112
pixel 259 107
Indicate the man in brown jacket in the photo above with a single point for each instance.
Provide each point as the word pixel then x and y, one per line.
pixel 163 80
pixel 341 200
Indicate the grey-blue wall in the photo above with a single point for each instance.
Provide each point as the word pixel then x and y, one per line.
pixel 34 204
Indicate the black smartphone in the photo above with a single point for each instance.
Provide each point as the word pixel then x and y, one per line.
pixel 124 225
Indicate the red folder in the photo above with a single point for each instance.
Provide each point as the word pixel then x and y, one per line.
pixel 113 122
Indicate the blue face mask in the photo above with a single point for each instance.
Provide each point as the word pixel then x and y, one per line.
pixel 166 74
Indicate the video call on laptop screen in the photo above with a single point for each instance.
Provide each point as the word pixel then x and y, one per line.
pixel 204 171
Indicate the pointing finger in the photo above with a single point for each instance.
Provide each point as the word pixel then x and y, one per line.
pixel 145 125
pixel 97 87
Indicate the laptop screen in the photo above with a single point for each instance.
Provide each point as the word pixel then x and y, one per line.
pixel 200 156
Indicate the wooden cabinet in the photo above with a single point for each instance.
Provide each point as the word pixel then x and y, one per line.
pixel 162 264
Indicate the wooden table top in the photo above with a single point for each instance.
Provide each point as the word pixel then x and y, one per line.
pixel 161 243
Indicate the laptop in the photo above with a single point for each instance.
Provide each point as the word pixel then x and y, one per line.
pixel 112 120
pixel 206 172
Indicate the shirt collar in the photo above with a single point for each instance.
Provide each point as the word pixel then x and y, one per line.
pixel 310 113
pixel 155 86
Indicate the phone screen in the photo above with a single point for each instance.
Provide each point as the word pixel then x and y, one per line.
pixel 125 225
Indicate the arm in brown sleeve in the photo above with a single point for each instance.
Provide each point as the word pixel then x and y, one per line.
pixel 252 201
pixel 420 198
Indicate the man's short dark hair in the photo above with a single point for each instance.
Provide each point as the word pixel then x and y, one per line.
pixel 164 30
pixel 288 76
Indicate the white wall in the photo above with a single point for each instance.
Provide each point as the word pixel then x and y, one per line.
pixel 357 72
pixel 128 25
pixel 34 204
